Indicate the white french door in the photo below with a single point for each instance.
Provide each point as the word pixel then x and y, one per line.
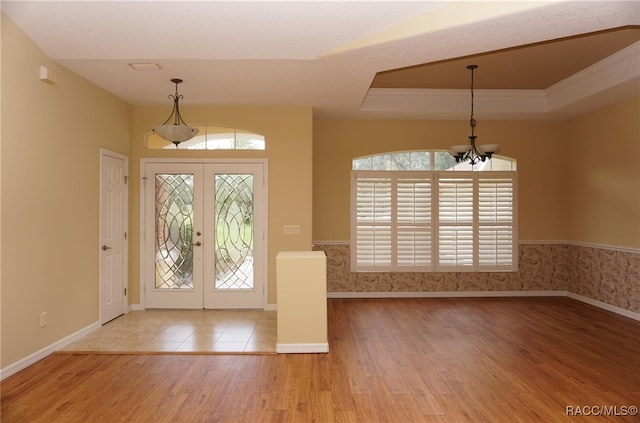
pixel 204 235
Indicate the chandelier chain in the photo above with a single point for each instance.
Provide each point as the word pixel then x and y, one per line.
pixel 472 153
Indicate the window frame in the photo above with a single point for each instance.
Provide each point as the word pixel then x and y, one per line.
pixel 484 230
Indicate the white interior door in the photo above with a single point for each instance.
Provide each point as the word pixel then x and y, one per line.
pixel 113 236
pixel 204 238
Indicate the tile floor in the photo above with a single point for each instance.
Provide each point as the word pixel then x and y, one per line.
pixel 184 331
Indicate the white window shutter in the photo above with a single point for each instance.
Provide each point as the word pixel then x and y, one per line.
pixel 433 221
pixel 373 206
pixel 496 217
pixel 414 223
pixel 455 222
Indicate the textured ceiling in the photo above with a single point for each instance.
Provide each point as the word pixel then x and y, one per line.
pixel 536 66
pixel 329 54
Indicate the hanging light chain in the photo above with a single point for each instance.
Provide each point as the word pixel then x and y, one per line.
pixel 175 113
pixel 472 153
pixel 472 120
pixel 474 156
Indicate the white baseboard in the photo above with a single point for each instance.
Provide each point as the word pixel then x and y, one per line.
pixel 614 309
pixel 302 348
pixel 46 351
pixel 446 294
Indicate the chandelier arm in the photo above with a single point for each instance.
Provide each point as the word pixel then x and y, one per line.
pixel 179 120
pixel 173 111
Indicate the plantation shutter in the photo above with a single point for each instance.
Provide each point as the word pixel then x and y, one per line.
pixel 407 221
pixel 496 246
pixel 455 222
pixel 372 221
pixel 414 223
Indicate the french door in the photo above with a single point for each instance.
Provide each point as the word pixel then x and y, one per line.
pixel 204 235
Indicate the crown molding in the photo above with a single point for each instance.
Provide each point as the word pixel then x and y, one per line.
pixel 611 80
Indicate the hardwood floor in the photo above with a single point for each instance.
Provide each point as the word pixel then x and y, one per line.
pixel 391 360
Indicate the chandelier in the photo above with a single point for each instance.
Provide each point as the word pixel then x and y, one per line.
pixel 178 131
pixel 471 152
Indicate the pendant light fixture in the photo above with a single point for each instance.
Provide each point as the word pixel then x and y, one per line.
pixel 178 131
pixel 471 152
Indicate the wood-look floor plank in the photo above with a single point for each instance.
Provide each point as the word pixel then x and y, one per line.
pixel 392 360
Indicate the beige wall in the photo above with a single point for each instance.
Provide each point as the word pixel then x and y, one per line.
pixel 51 140
pixel 540 149
pixel 579 181
pixel 288 136
pixel 604 162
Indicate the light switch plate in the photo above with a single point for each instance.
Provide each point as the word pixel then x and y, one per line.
pixel 292 229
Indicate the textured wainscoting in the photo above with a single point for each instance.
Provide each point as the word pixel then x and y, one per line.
pixel 606 275
pixel 611 276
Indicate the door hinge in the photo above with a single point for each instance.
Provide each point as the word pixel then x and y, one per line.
pixel 125 236
pixel 125 292
pixel 126 179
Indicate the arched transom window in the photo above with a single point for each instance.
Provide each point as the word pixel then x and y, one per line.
pixel 427 160
pixel 213 137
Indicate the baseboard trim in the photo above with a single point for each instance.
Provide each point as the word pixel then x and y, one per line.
pixel 488 294
pixel 446 294
pixel 614 309
pixel 302 348
pixel 46 351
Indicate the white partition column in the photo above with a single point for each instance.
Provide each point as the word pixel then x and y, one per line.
pixel 302 302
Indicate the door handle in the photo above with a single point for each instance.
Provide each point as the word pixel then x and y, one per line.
pixel 197 244
pixel 105 248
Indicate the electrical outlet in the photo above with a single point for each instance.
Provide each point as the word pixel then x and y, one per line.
pixel 43 319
